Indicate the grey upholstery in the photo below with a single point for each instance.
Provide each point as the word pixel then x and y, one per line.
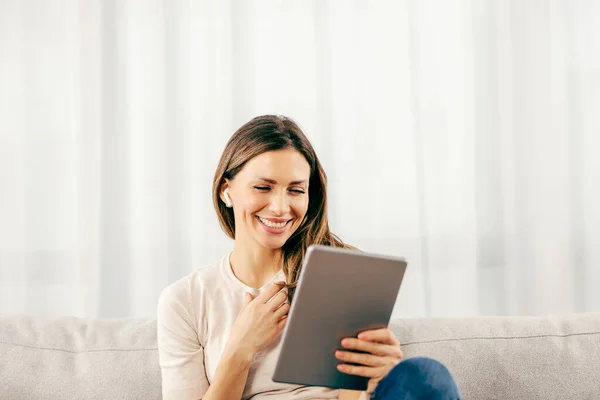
pixel 555 357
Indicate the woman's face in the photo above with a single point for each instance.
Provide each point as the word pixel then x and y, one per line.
pixel 270 197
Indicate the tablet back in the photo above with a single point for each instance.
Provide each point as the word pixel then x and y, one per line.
pixel 340 293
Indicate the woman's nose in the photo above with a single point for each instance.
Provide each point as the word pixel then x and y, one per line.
pixel 279 204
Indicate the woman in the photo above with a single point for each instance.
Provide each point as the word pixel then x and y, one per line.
pixel 219 328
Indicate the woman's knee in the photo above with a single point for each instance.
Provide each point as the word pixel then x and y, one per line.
pixel 422 376
pixel 422 366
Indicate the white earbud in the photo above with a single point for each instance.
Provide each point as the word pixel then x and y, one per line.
pixel 227 199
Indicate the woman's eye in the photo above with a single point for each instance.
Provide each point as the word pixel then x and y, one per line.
pixel 297 191
pixel 262 188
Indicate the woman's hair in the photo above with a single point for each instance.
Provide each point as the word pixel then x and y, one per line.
pixel 268 133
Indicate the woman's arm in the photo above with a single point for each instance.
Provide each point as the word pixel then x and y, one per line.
pixel 230 378
pixel 181 356
pixel 180 353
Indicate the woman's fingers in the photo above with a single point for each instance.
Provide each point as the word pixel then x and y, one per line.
pixel 272 290
pixel 383 335
pixel 277 300
pixel 377 349
pixel 281 311
pixel 359 370
pixel 360 358
pixel 248 298
pixel 281 323
pixel 372 386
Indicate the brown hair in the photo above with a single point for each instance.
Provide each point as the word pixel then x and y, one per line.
pixel 268 133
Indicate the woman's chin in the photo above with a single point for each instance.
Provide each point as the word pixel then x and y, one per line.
pixel 271 240
pixel 272 244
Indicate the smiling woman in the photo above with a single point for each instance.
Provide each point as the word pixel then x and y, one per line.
pixel 270 209
pixel 270 171
pixel 219 328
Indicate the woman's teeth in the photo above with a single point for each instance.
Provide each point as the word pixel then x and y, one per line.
pixel 272 224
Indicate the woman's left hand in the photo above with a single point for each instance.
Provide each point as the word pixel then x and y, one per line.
pixel 381 353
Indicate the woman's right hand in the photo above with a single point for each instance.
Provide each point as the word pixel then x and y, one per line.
pixel 260 321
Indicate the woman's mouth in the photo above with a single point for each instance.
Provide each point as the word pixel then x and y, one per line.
pixel 273 226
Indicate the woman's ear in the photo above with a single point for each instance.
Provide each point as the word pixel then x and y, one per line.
pixel 225 198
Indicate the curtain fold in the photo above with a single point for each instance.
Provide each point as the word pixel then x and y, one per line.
pixel 461 135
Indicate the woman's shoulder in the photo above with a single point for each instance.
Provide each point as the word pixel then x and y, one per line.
pixel 192 285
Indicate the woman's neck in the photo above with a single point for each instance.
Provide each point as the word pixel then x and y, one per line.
pixel 253 264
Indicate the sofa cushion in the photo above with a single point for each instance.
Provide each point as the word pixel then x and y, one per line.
pixel 69 358
pixel 553 357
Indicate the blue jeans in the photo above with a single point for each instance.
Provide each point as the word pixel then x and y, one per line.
pixel 417 378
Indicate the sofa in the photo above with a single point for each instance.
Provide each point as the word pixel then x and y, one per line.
pixel 525 358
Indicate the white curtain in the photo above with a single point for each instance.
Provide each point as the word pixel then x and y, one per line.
pixel 462 135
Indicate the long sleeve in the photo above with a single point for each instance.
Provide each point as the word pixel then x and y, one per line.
pixel 181 355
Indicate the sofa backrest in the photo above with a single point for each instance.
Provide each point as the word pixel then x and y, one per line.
pixel 70 358
pixel 554 357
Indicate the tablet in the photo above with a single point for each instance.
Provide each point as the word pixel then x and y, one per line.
pixel 340 293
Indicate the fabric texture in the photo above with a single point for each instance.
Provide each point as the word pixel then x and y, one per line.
pixel 418 378
pixel 65 358
pixel 195 315
pixel 545 358
pixel 533 358
pixel 479 118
